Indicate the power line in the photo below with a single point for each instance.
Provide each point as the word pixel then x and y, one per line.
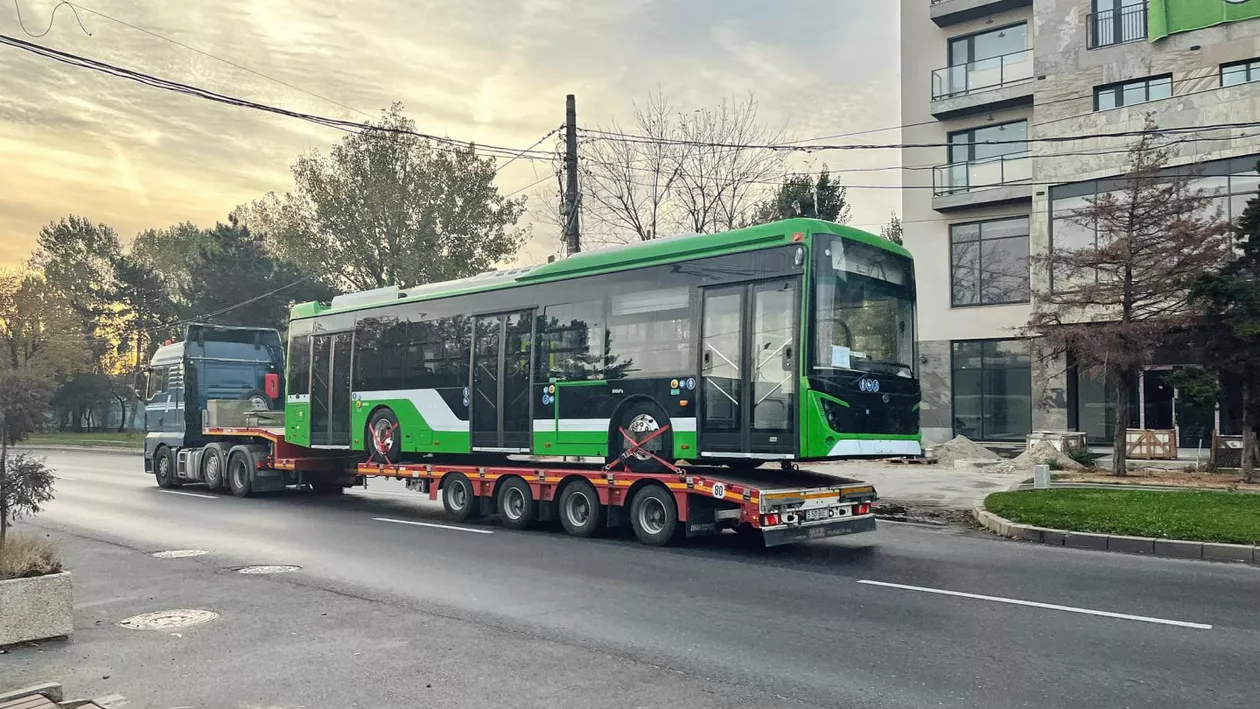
pixel 196 92
pixel 549 133
pixel 541 180
pixel 208 55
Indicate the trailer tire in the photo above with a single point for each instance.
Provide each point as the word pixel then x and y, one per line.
pixel 642 416
pixel 164 468
pixel 457 497
pixel 581 513
pixel 240 464
pixel 654 516
pixel 214 466
pixel 516 505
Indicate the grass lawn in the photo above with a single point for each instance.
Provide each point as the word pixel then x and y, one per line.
pixel 1199 516
pixel 96 440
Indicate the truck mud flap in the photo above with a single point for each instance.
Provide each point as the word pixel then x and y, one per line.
pixel 269 480
pixel 804 533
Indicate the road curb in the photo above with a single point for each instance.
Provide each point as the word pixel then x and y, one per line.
pixel 1174 548
pixel 85 449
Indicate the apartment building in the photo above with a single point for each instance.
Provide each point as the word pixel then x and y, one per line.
pixel 1019 72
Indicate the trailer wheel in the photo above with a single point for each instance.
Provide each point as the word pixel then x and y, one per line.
pixel 457 497
pixel 214 466
pixel 517 508
pixel 164 469
pixel 240 463
pixel 654 516
pixel 581 514
pixel 383 427
pixel 640 419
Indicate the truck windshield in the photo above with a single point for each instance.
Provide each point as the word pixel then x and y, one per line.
pixel 863 308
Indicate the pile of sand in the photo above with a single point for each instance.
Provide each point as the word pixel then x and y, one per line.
pixel 1042 453
pixel 961 448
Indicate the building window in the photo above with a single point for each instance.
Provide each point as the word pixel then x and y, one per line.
pixel 983 61
pixel 1230 183
pixel 987 156
pixel 1116 22
pixel 1131 93
pixel 989 262
pixel 992 389
pixel 1240 72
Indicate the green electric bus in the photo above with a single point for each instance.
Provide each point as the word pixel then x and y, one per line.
pixel 787 341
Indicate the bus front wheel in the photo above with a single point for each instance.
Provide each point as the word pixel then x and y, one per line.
pixel 641 420
pixel 384 437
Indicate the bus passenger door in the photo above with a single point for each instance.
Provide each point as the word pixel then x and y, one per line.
pixel 321 369
pixel 339 391
pixel 748 370
pixel 501 406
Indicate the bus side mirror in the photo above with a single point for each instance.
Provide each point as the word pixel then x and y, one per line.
pixel 271 383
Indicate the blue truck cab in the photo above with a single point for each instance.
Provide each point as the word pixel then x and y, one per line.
pixel 211 362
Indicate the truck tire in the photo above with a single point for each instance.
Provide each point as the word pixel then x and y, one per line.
pixel 258 400
pixel 641 418
pixel 457 497
pixel 654 516
pixel 214 466
pixel 517 508
pixel 239 471
pixel 164 468
pixel 581 513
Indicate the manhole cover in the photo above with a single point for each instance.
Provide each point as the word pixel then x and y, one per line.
pixel 163 620
pixel 179 553
pixel 272 569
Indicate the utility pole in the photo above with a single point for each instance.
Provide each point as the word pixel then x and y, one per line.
pixel 572 229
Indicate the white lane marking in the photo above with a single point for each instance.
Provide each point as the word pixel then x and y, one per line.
pixel 189 494
pixel 1035 604
pixel 435 526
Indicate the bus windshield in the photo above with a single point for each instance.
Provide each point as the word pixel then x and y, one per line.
pixel 863 308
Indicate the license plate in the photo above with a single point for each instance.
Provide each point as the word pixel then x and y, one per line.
pixel 811 515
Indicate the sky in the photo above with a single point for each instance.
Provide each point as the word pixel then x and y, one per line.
pixel 491 71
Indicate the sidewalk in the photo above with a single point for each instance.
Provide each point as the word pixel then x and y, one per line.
pixel 925 485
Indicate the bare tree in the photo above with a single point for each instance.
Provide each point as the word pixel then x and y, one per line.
pixel 1113 303
pixel 678 172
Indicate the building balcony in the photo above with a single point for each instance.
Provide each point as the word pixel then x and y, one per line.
pixel 951 12
pixel 1110 27
pixel 984 85
pixel 987 182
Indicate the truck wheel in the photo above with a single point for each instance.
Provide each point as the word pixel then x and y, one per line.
pixel 640 419
pixel 516 504
pixel 581 514
pixel 258 400
pixel 164 469
pixel 457 497
pixel 654 516
pixel 214 466
pixel 240 464
pixel 383 427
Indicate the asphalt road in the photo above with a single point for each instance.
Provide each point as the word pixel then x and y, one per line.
pixel 854 622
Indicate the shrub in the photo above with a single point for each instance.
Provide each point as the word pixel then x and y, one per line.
pixel 23 557
pixel 1083 455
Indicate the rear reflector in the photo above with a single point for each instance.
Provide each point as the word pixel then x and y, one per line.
pixel 862 509
pixel 770 520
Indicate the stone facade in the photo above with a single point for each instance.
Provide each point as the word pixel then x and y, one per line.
pixel 1066 72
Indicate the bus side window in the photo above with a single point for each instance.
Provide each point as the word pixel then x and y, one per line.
pixel 572 336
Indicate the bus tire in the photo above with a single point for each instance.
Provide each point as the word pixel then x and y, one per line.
pixel 457 497
pixel 214 466
pixel 384 424
pixel 516 505
pixel 240 464
pixel 642 416
pixel 164 468
pixel 654 516
pixel 581 513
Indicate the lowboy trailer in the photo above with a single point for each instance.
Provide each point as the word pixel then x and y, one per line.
pixel 781 505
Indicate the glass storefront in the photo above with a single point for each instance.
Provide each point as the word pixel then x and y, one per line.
pixel 992 389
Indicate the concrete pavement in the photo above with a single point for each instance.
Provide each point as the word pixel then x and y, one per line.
pixel 904 617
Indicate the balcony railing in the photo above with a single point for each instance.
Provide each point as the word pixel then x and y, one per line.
pixel 979 174
pixel 982 75
pixel 1108 27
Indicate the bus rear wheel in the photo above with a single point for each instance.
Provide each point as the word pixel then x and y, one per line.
pixel 384 437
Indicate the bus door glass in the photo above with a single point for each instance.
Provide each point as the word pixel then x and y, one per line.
pixel 501 407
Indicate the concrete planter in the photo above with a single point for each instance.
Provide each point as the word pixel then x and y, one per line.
pixel 36 608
